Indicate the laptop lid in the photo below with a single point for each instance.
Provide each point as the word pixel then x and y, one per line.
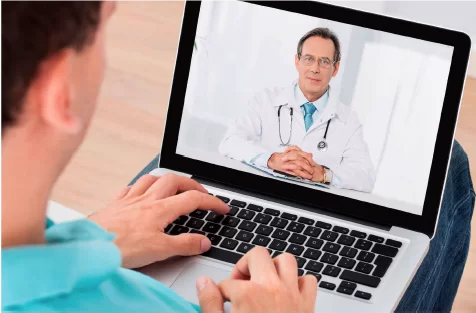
pixel 393 103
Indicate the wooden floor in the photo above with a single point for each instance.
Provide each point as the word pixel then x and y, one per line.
pixel 127 130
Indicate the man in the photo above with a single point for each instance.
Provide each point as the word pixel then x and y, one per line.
pixel 52 67
pixel 306 114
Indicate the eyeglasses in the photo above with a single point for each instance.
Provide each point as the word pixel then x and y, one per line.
pixel 323 62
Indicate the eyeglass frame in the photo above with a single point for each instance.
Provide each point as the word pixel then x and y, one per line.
pixel 318 61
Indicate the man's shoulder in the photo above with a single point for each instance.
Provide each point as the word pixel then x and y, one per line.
pixel 270 95
pixel 348 114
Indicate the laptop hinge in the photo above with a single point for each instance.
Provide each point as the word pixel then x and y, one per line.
pixel 319 210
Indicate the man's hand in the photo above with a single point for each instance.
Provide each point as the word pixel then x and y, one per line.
pixel 318 170
pixel 294 162
pixel 140 213
pixel 261 284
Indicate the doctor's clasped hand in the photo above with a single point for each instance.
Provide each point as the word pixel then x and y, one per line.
pixel 296 162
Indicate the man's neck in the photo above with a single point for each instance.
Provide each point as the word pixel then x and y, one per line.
pixel 312 97
pixel 28 174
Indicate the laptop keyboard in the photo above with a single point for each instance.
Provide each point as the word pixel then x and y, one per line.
pixel 321 249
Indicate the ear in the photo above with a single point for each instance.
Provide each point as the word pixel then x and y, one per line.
pixel 53 94
pixel 296 60
pixel 336 69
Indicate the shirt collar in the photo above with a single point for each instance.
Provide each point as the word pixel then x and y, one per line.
pixel 78 254
pixel 320 103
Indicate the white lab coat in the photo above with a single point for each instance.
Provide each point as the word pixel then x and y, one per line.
pixel 257 132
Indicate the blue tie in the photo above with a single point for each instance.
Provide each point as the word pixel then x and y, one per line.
pixel 309 109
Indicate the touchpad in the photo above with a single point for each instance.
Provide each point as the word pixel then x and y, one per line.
pixel 184 285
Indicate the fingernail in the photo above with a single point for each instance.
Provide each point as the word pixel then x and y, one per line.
pixel 202 282
pixel 205 245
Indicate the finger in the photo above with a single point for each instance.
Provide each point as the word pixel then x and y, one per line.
pixel 189 201
pixel 141 185
pixel 308 289
pixel 209 296
pixel 299 154
pixel 292 148
pixel 256 265
pixel 232 289
pixel 302 174
pixel 187 244
pixel 121 194
pixel 286 266
pixel 304 166
pixel 171 184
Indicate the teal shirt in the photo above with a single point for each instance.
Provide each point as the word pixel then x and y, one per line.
pixel 79 269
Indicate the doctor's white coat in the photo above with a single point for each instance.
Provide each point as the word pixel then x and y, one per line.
pixel 257 132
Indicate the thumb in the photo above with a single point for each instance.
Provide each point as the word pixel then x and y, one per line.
pixel 189 244
pixel 209 296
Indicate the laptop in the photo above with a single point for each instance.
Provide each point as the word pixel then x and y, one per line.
pixel 403 81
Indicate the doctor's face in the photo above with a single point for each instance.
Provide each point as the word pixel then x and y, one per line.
pixel 314 76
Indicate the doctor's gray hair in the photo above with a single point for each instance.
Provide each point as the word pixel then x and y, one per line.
pixel 325 33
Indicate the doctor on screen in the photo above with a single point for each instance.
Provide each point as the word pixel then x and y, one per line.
pixel 303 129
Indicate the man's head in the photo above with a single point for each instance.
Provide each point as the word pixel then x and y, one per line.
pixel 317 60
pixel 53 63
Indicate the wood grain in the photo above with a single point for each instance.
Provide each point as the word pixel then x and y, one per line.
pixel 127 129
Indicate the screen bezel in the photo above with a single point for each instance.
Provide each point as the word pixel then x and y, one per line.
pixel 328 201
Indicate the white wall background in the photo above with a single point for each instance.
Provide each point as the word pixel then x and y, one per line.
pixel 395 84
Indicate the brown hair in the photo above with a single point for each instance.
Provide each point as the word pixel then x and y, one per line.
pixel 325 33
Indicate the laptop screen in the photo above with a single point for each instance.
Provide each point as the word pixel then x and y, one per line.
pixel 318 103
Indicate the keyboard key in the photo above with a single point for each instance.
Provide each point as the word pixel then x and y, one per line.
pixel 198 213
pixel 264 230
pixel 363 244
pixel 178 229
pixel 246 225
pixel 362 295
pixel 279 222
pixel 224 199
pixel 331 247
pixel 223 255
pixel 296 238
pixel 359 278
pixel 344 290
pixel 270 251
pixel 358 234
pixel 233 211
pixel 276 253
pixel 346 240
pixel 261 241
pixel 262 218
pixel 169 227
pixel 329 258
pixel 229 244
pixel 314 243
pixel 363 267
pixel 245 247
pixel 214 218
pixel 244 236
pixel 211 228
pixel 329 236
pixel 327 285
pixel 331 271
pixel 366 256
pixel 312 231
pixel 228 232
pixel 346 263
pixel 341 230
pixel 195 223
pixel 194 231
pixel 300 261
pixel 230 221
pixel 215 239
pixel 348 252
pixel 255 207
pixel 393 243
pixel 375 238
pixel 306 220
pixel 272 212
pixel 312 254
pixel 318 276
pixel 278 245
pixel 238 203
pixel 300 272
pixel 349 285
pixel 385 250
pixel 246 214
pixel 314 266
pixel 295 227
pixel 323 225
pixel 281 234
pixel 289 216
pixel 181 220
pixel 296 250
pixel 382 263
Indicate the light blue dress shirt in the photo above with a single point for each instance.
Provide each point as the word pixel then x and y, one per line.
pixel 79 270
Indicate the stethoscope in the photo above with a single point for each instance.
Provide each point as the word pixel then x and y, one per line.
pixel 321 146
